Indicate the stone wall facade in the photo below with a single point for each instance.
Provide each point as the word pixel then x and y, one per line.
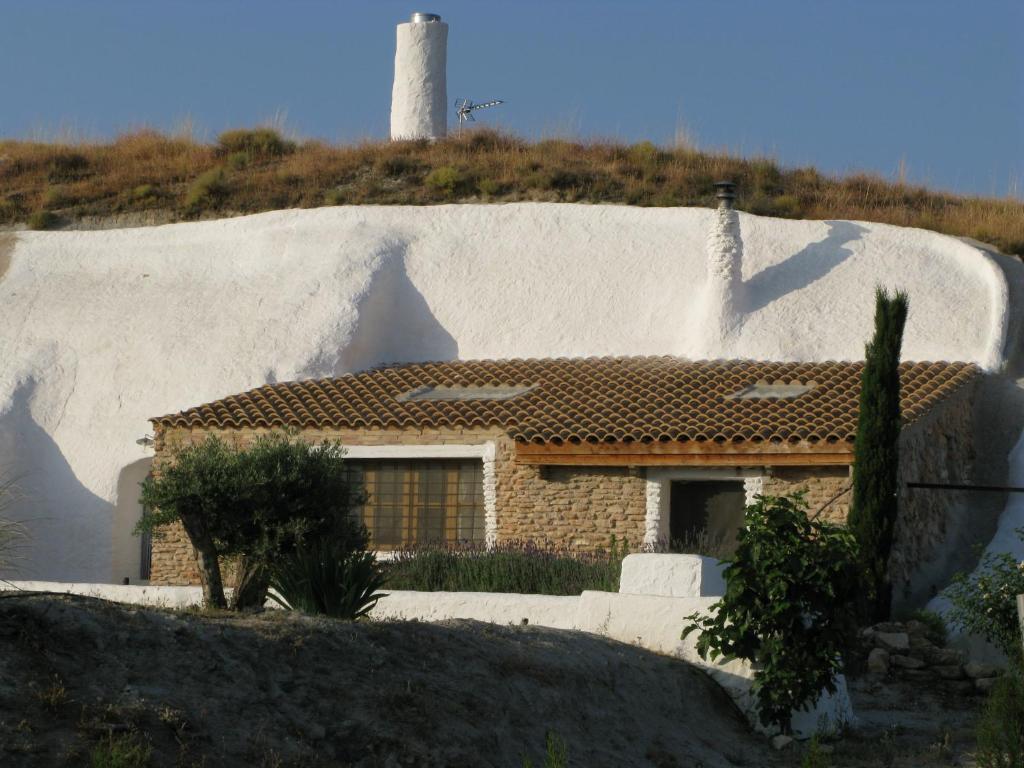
pixel 937 448
pixel 579 508
pixel 582 508
pixel 827 490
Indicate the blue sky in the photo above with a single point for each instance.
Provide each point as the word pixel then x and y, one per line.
pixel 856 85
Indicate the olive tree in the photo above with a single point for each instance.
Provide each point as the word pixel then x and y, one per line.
pixel 252 505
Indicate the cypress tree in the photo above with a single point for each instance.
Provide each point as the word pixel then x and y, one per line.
pixel 876 453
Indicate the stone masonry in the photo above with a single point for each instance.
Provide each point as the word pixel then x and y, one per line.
pixel 582 508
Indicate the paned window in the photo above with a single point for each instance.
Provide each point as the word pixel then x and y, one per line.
pixel 420 502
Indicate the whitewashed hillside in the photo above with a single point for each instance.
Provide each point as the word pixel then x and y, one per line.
pixel 101 330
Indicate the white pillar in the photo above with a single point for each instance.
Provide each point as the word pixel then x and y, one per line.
pixel 419 98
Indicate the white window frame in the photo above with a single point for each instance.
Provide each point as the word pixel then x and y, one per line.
pixel 657 519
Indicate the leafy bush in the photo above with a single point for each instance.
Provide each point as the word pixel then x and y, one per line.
pixel 985 604
pixel 874 507
pixel 1001 727
pixel 519 567
pixel 788 606
pixel 42 220
pixel 257 504
pixel 327 577
pixel 446 179
pixel 256 142
pixel 126 750
pixel 206 191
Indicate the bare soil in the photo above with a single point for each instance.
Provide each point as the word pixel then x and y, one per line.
pixel 79 676
pixel 280 689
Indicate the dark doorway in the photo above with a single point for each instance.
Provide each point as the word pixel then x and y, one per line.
pixel 705 516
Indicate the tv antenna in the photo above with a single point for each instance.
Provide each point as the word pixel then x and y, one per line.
pixel 465 108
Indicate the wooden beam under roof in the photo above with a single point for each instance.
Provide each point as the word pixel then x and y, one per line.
pixel 599 456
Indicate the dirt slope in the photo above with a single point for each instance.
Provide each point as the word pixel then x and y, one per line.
pixel 281 689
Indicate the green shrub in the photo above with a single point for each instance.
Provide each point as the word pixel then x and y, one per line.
pixel 985 604
pixel 1001 727
pixel 145 192
pixel 488 187
pixel 42 220
pixel 874 507
pixel 255 142
pixel 327 577
pixel 523 568
pixel 56 197
pixel 556 754
pixel 814 756
pixel 257 505
pixel 788 606
pixel 237 161
pixel 208 189
pixel 126 750
pixel 447 179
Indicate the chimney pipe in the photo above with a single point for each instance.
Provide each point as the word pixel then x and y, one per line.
pixel 725 192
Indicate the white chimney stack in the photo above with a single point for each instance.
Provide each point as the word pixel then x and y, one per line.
pixel 419 99
pixel 722 298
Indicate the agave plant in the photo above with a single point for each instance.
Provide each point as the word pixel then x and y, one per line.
pixel 328 578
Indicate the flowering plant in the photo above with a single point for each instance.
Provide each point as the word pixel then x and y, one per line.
pixel 986 603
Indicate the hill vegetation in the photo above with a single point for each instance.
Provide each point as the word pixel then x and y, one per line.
pixel 168 178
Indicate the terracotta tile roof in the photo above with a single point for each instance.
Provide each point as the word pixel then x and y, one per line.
pixel 595 400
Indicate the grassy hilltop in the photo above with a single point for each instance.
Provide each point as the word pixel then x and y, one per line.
pixel 171 178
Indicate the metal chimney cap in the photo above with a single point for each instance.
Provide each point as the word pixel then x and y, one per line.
pixel 424 18
pixel 725 190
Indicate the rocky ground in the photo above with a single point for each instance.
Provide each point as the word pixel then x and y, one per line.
pixel 83 681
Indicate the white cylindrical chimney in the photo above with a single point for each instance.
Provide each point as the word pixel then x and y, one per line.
pixel 722 297
pixel 419 99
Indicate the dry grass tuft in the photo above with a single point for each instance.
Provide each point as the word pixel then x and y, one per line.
pixel 248 171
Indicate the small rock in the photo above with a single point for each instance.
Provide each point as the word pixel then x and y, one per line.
pixel 893 641
pixel 781 741
pixel 921 643
pixel 915 627
pixel 985 684
pixel 944 657
pixel 878 661
pixel 907 662
pixel 949 672
pixel 867 632
pixel 918 674
pixel 888 627
pixel 960 687
pixel 975 670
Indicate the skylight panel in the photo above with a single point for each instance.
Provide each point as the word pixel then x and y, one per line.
pixel 763 390
pixel 440 392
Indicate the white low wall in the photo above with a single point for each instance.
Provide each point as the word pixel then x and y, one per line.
pixel 672 575
pixel 494 607
pixel 158 597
